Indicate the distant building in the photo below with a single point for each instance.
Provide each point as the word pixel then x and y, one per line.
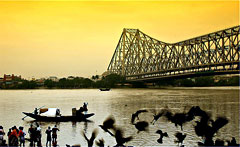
pixel 40 82
pixel 10 80
pixel 1 82
pixel 53 78
pixel 70 77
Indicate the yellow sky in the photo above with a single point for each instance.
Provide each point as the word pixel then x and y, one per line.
pixel 78 38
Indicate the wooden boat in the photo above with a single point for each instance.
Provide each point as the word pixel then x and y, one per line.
pixel 104 89
pixel 82 117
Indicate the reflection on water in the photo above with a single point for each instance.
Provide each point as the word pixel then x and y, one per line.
pixel 121 103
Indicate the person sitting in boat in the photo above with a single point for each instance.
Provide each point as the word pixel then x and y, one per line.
pixel 36 111
pixel 58 113
pixel 85 107
pixel 79 112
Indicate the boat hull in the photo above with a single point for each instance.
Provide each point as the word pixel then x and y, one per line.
pixel 104 89
pixel 59 118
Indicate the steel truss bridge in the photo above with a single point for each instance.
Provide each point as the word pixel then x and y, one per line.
pixel 140 57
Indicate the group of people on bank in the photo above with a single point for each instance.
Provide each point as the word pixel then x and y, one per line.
pixel 16 136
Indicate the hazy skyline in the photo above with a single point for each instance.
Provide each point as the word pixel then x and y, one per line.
pixel 79 38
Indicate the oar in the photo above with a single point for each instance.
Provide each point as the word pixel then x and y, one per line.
pixel 32 112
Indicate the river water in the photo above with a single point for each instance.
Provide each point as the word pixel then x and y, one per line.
pixel 121 103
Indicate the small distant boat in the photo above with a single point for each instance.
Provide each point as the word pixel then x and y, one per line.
pixel 104 89
pixel 51 116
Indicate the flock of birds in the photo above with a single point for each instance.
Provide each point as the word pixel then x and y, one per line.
pixel 205 127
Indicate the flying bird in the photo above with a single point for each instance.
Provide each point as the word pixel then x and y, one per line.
pixel 120 139
pixel 91 140
pixel 108 124
pixel 156 116
pixel 161 136
pixel 180 137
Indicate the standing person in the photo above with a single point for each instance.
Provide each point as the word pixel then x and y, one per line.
pixel 54 134
pixel 21 135
pixel 14 136
pixel 2 133
pixel 31 135
pixel 38 136
pixel 9 134
pixel 49 138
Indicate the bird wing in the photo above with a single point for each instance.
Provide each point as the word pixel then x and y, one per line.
pixel 219 123
pixel 84 135
pixel 140 111
pixel 165 134
pixel 159 132
pixel 133 118
pixel 127 139
pixel 94 135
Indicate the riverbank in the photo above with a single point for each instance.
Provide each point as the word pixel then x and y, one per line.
pixel 150 87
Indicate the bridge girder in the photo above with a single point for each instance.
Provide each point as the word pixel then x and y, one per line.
pixel 139 56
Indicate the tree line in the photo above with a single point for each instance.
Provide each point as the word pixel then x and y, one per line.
pixel 109 81
pixel 200 82
pixel 114 80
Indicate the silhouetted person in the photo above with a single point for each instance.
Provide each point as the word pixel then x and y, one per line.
pixel 85 107
pixel 219 142
pixel 91 140
pixel 108 124
pixel 49 136
pixel 32 135
pixel 100 143
pixel 38 135
pixel 54 134
pixel 14 137
pixel 36 111
pixel 135 115
pixel 233 142
pixel 8 134
pixel 180 137
pixel 2 133
pixel 120 139
pixel 161 136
